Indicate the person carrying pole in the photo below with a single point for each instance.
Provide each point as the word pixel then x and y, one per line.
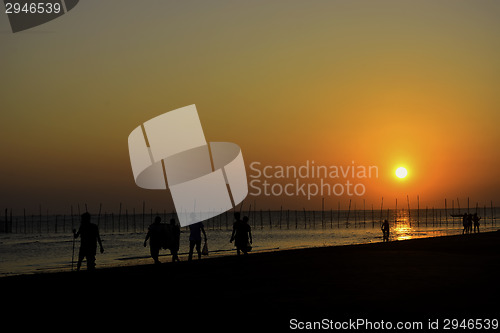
pixel 89 233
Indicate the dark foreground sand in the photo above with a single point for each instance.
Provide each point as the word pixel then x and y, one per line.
pixel 444 277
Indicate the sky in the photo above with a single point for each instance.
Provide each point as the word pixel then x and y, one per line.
pixel 381 83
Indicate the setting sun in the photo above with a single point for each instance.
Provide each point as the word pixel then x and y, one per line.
pixel 401 172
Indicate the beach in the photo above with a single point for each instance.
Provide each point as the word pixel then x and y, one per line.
pixel 422 279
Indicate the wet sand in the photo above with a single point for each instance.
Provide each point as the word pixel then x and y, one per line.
pixel 422 279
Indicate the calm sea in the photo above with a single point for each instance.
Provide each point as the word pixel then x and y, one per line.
pixel 45 243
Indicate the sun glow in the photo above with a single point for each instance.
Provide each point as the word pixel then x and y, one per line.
pixel 401 172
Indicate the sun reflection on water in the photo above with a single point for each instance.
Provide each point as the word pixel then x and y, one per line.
pixel 402 228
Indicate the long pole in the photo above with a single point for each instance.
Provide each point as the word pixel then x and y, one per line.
pixel 364 213
pixel 73 255
pixel 492 214
pixel 144 215
pixel 381 207
pixel 338 215
pixel 408 200
pixel 348 213
pixel 322 212
pixel 396 211
pixel 445 211
pixel 373 221
pixel 418 211
pixel 99 215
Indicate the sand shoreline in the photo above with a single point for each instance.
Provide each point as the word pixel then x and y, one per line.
pixel 420 279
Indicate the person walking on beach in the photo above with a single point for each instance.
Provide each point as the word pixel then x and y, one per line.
pixel 465 222
pixel 156 236
pixel 469 223
pixel 242 234
pixel 476 219
pixel 195 239
pixel 175 234
pixel 385 230
pixel 89 233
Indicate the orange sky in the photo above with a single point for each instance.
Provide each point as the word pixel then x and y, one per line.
pixel 383 83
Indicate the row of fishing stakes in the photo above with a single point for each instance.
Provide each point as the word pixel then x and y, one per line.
pixel 131 221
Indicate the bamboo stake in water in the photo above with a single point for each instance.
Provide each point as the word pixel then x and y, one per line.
pixel 373 221
pixel 119 217
pixel 322 212
pixel 396 211
pixel 338 215
pixel 426 209
pixel 445 211
pixel 261 221
pixel 126 219
pixel 281 211
pixel 288 218
pixel 40 220
pixel 364 214
pixel 348 213
pixel 492 213
pixel 99 215
pixel 144 215
pixel 270 221
pixel 409 215
pixel 296 219
pixel 433 217
pixel 133 219
pixel 381 207
pixel 355 215
pixel 418 211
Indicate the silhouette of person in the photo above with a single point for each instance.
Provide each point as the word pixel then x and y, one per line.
pixel 385 230
pixel 89 233
pixel 465 222
pixel 476 219
pixel 175 234
pixel 156 235
pixel 242 234
pixel 195 238
pixel 469 223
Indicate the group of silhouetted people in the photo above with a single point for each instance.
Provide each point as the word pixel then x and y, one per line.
pixel 470 220
pixel 242 235
pixel 168 237
pixel 162 236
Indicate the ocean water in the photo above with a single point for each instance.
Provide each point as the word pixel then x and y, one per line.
pixel 46 244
